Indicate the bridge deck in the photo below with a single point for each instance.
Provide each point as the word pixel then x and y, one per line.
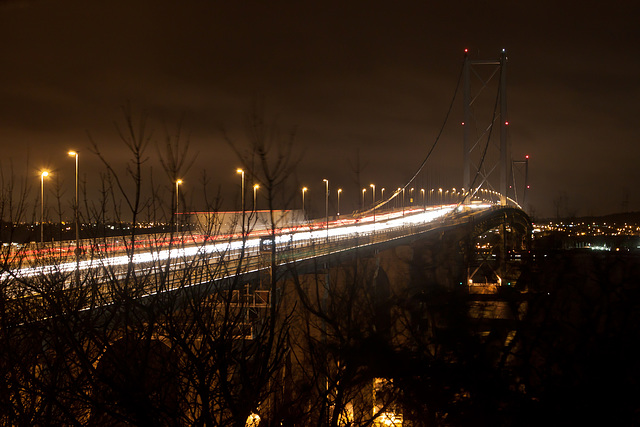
pixel 207 260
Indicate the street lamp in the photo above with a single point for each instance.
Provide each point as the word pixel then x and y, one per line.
pixel 255 188
pixel 440 194
pixel 339 191
pixel 402 201
pixel 382 193
pixel 364 190
pixel 424 203
pixel 241 172
pixel 373 199
pixel 326 204
pixel 42 175
pixel 178 182
pixel 304 190
pixel 77 221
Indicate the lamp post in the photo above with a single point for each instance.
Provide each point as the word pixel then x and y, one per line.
pixel 241 172
pixel 255 188
pixel 75 154
pixel 382 193
pixel 178 182
pixel 373 200
pixel 77 221
pixel 440 194
pixel 339 191
pixel 424 203
pixel 326 205
pixel 304 190
pixel 403 201
pixel 364 190
pixel 42 175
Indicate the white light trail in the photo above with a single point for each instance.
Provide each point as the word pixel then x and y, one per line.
pixel 362 227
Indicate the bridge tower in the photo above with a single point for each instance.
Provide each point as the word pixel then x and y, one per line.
pixel 481 170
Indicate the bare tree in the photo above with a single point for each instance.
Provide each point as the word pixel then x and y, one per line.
pixel 206 329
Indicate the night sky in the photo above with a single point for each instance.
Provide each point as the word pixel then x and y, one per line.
pixel 368 77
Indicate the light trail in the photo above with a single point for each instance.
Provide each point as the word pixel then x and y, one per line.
pixel 313 233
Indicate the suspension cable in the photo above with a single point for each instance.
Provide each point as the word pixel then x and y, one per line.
pixel 433 146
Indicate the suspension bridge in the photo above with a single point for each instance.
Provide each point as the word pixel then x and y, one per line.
pixel 210 258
